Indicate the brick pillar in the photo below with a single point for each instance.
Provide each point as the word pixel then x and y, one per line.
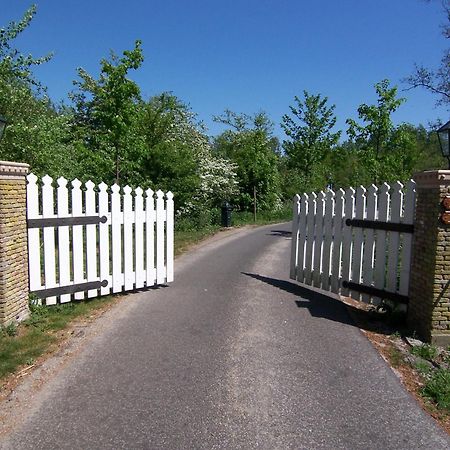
pixel 429 289
pixel 13 243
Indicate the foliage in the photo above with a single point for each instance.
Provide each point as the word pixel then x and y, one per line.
pixel 437 388
pixel 105 114
pixel 425 351
pixel 310 139
pixel 249 144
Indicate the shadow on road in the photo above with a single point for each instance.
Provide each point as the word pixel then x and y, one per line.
pixel 281 233
pixel 325 306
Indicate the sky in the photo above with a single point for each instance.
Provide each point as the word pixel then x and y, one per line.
pixel 244 55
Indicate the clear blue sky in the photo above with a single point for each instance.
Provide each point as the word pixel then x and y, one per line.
pixel 245 55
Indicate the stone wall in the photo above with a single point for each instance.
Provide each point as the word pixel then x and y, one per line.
pixel 429 292
pixel 13 243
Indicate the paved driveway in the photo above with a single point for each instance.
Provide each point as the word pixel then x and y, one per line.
pixel 233 355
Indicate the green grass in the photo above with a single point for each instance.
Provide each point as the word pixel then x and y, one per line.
pixel 424 351
pixel 34 336
pixel 437 388
pixel 183 239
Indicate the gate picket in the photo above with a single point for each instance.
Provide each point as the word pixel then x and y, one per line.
pixel 347 237
pixel 295 233
pixel 318 239
pixel 128 238
pixel 310 223
pixel 77 238
pixel 369 244
pixel 63 237
pixel 91 238
pixel 150 238
pixel 106 242
pixel 34 245
pixel 394 237
pixel 49 237
pixel 355 243
pixel 337 240
pixel 381 241
pixel 139 238
pixel 104 238
pixel 327 243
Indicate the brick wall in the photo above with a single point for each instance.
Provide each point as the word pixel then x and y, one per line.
pixel 13 243
pixel 429 308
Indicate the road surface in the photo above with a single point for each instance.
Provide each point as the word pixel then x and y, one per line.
pixel 233 355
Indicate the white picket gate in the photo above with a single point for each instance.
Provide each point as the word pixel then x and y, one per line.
pixel 88 241
pixel 355 243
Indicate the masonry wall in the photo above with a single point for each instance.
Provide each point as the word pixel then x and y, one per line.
pixel 13 243
pixel 429 308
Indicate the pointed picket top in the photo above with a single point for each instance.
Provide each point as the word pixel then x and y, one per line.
pixel 361 190
pixel 329 194
pixel 349 192
pixel 384 188
pixel 159 193
pixel 127 190
pixel 312 196
pixel 321 195
pixel 102 187
pixel 139 191
pixel 149 193
pixel 89 185
pixel 397 186
pixel 76 183
pixel 62 182
pixel 410 184
pixel 305 197
pixel 169 195
pixel 340 193
pixel 115 188
pixel 32 178
pixel 296 198
pixel 372 190
pixel 47 180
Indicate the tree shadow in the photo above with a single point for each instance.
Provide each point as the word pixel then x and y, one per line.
pixel 323 305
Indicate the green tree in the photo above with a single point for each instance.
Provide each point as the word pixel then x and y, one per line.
pixel 379 142
pixel 249 143
pixel 37 132
pixel 310 139
pixel 107 112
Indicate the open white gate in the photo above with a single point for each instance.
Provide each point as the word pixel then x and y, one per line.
pixel 355 243
pixel 95 240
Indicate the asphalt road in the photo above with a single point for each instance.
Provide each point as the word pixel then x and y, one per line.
pixel 232 355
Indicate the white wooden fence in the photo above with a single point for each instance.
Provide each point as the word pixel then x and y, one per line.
pixel 355 243
pixel 88 241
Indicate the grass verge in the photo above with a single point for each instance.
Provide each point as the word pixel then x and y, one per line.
pixel 21 345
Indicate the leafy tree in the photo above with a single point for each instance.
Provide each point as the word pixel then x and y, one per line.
pixel 178 156
pixel 250 144
pixel 310 138
pixel 436 81
pixel 377 138
pixel 14 65
pixel 106 112
pixel 37 132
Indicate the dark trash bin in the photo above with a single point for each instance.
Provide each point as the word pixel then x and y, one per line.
pixel 226 214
